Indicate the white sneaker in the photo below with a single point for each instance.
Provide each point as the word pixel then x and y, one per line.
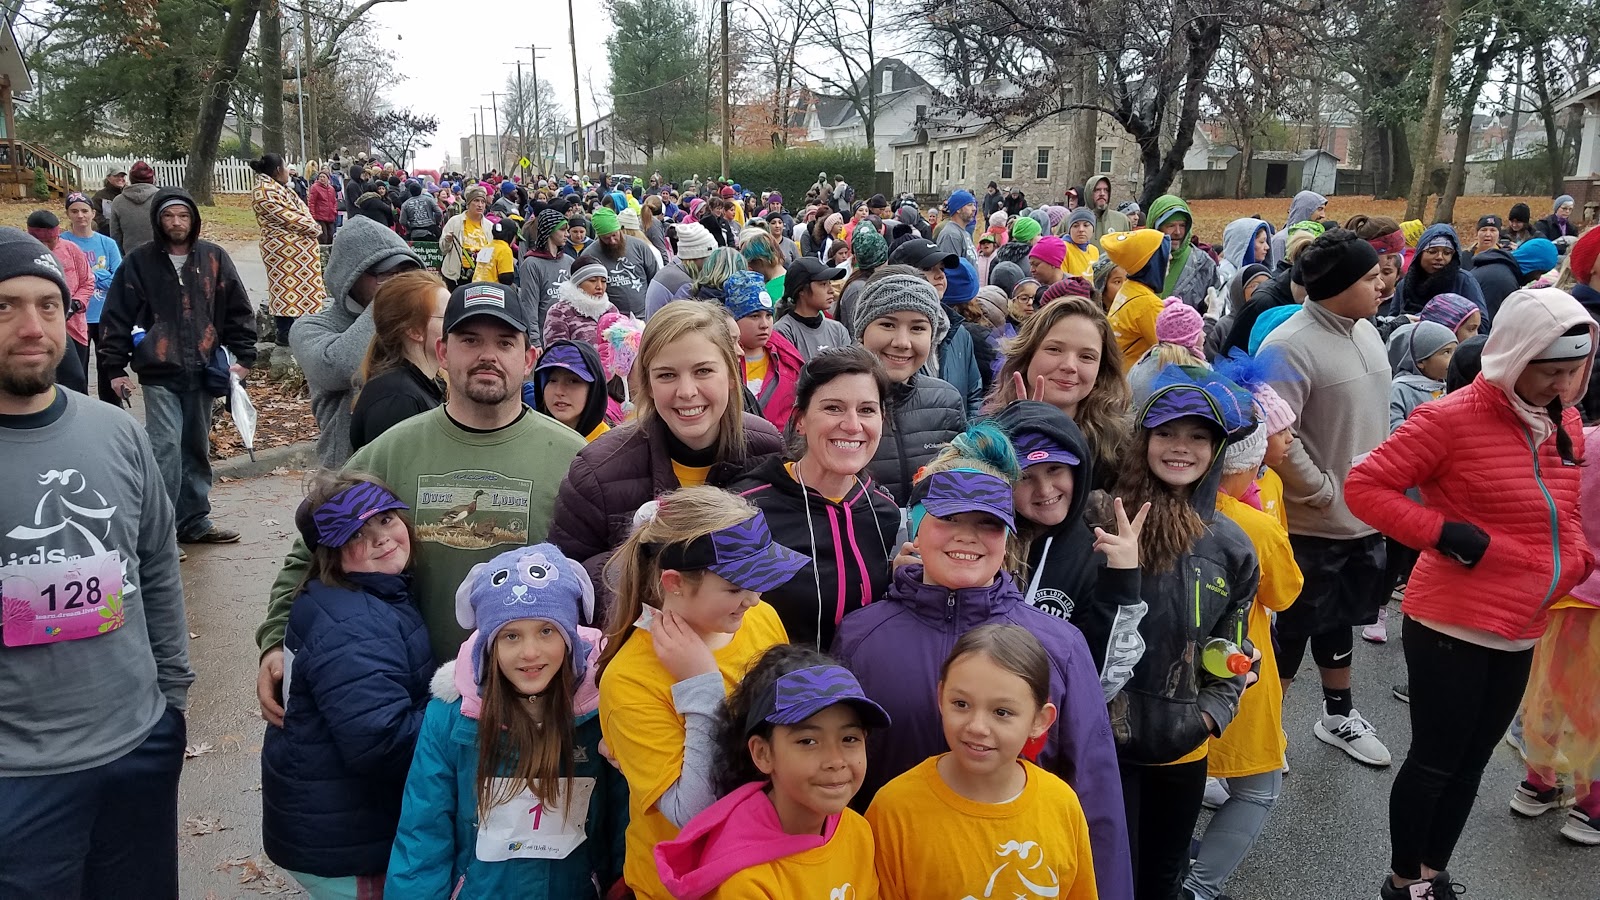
pixel 1216 793
pixel 1581 829
pixel 1378 632
pixel 1354 735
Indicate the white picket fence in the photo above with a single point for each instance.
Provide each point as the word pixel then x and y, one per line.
pixel 229 176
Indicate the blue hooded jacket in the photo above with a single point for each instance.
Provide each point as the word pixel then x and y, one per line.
pixel 1417 287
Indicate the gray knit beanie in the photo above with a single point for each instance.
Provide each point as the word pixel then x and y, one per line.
pixel 22 254
pixel 894 292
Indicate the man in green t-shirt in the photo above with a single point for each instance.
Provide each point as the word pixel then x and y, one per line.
pixel 479 473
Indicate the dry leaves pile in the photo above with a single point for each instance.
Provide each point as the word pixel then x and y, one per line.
pixel 1211 216
pixel 283 416
pixel 260 875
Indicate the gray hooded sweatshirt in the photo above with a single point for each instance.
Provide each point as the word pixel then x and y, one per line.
pixel 1104 222
pixel 330 345
pixel 131 224
pixel 1301 208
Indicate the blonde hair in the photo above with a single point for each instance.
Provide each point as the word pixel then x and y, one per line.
pixel 666 328
pixel 634 571
pixel 1103 414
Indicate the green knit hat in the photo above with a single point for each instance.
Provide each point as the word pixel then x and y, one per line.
pixel 1025 229
pixel 604 222
pixel 868 247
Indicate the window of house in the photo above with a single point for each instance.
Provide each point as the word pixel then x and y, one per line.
pixel 919 168
pixel 947 165
pixel 1042 167
pixel 905 167
pixel 963 158
pixel 1008 159
pixel 1107 156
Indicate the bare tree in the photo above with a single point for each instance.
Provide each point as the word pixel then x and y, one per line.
pixel 197 176
pixel 774 35
pixel 1252 87
pixel 847 31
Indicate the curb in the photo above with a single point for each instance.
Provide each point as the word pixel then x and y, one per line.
pixel 293 456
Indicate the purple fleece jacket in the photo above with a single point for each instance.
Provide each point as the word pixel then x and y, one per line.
pixel 895 648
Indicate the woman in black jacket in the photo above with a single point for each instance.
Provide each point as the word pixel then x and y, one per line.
pixel 399 377
pixel 822 503
pixel 375 205
pixel 898 319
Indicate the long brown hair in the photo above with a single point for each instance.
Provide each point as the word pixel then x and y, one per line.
pixel 1103 414
pixel 634 572
pixel 672 324
pixel 1012 648
pixel 403 304
pixel 1173 525
pixel 531 738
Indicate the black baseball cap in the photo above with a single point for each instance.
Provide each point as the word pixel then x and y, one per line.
pixel 482 298
pixel 921 253
pixel 804 271
pixel 395 260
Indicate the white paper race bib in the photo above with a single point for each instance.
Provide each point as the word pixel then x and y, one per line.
pixel 524 828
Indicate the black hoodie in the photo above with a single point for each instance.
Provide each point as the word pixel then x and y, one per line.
pixel 594 408
pixel 1066 577
pixel 185 314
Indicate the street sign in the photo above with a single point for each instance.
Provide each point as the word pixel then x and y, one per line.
pixel 524 162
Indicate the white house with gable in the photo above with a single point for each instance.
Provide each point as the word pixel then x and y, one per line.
pixel 904 97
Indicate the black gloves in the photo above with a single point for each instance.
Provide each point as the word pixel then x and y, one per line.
pixel 1463 542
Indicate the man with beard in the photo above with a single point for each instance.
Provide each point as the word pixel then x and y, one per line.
pixel 479 473
pixel 630 263
pixel 186 295
pixel 1097 196
pixel 94 674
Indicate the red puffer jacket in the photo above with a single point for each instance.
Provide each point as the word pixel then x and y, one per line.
pixel 1472 458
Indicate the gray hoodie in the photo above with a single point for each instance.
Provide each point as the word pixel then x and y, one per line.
pixel 330 345
pixel 131 224
pixel 1408 345
pixel 1301 209
pixel 539 280
pixel 1238 249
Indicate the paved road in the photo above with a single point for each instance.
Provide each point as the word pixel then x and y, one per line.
pixel 1328 837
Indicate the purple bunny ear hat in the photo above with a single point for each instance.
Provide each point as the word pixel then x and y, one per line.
pixel 535 582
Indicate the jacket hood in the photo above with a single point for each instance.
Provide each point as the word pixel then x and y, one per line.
pixel 962 609
pixel 592 307
pixel 733 834
pixel 1303 205
pixel 1440 229
pixel 453 680
pixel 1418 287
pixel 1035 416
pixel 161 196
pixel 1142 253
pixel 1238 241
pixel 1529 320
pixel 1088 191
pixel 359 245
pixel 1410 344
pixel 1166 208
pixel 140 193
pixel 594 407
pixel 993 301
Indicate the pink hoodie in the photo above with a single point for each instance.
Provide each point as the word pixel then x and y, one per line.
pixel 733 834
pixel 586 700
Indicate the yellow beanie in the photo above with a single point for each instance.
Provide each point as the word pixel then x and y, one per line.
pixel 1412 230
pixel 1130 250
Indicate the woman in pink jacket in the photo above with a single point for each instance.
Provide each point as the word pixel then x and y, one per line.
pixel 1498 464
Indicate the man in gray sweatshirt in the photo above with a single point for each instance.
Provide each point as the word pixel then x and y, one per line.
pixel 1340 397
pixel 330 345
pixel 94 665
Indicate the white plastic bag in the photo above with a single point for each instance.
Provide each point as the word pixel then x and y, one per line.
pixel 243 412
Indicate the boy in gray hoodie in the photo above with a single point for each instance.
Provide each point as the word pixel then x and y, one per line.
pixel 1419 356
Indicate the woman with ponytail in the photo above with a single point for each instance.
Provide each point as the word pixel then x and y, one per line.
pixel 963 526
pixel 1497 554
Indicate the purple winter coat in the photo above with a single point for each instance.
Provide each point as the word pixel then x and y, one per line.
pixel 895 648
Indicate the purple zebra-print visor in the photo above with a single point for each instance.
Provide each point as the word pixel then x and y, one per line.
pixel 744 554
pixel 797 696
pixel 338 520
pixel 956 491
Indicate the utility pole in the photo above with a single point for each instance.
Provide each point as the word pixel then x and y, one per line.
pixel 499 139
pixel 538 121
pixel 477 145
pixel 522 123
pixel 577 96
pixel 309 97
pixel 727 128
pixel 483 139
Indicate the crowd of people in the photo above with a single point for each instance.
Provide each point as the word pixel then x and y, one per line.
pixel 672 543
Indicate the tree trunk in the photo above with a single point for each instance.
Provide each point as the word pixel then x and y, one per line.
pixel 1547 112
pixel 1241 188
pixel 197 177
pixel 1203 44
pixel 1443 51
pixel 307 85
pixel 1086 125
pixel 270 50
pixel 1482 56
pixel 1400 163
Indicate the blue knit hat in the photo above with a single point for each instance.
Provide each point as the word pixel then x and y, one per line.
pixel 961 283
pixel 959 199
pixel 1536 256
pixel 535 582
pixel 745 294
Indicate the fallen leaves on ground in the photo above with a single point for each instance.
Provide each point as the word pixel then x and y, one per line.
pixel 261 875
pixel 198 825
pixel 230 221
pixel 283 417
pixel 193 750
pixel 1211 216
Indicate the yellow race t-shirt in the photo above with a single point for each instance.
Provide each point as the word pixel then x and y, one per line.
pixel 933 842
pixel 843 867
pixel 1080 262
pixel 645 733
pixel 755 371
pixel 474 238
pixel 600 429
pixel 1271 488
pixel 690 476
pixel 501 262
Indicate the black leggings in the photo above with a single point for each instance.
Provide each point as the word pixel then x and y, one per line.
pixel 1162 805
pixel 1463 697
pixel 1330 650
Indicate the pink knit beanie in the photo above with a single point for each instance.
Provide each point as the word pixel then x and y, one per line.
pixel 1181 324
pixel 1275 409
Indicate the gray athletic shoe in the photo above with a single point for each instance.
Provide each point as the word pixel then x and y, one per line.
pixel 1354 735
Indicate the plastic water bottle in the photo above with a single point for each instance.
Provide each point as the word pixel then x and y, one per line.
pixel 1223 658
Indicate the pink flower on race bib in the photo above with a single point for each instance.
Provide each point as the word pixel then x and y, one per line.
pixel 17 613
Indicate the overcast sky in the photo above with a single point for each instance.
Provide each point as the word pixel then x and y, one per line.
pixel 450 51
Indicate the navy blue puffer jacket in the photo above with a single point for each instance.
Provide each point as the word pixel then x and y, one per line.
pixel 356 687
